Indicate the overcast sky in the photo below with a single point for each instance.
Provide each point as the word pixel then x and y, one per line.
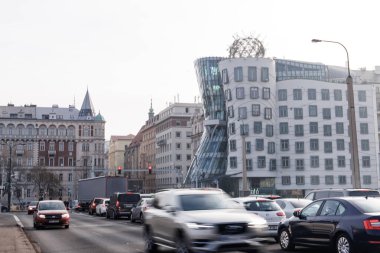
pixel 128 52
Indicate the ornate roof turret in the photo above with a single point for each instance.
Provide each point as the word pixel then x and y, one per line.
pixel 99 117
pixel 151 113
pixel 87 110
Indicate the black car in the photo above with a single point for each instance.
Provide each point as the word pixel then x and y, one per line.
pixel 121 204
pixel 346 224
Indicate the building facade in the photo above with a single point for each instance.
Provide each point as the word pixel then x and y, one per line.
pixel 116 152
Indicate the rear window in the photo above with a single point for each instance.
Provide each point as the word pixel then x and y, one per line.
pixel 33 203
pixel 367 205
pixel 97 201
pixel 262 205
pixel 129 198
pixel 363 193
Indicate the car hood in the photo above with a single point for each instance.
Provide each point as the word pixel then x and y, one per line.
pixel 52 212
pixel 221 216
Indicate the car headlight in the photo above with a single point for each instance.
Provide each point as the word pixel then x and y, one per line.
pixel 41 216
pixel 199 226
pixel 257 225
pixel 65 215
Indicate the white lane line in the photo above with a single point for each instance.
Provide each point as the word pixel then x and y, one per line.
pixel 19 223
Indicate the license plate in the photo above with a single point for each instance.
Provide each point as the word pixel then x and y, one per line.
pixel 273 227
pixel 53 221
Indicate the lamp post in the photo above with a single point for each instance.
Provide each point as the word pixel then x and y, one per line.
pixel 352 120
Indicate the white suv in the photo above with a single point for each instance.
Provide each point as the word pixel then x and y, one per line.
pixel 200 220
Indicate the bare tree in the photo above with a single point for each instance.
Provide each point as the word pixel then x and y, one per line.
pixel 45 182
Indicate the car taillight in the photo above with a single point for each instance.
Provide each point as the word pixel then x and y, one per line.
pixel 117 203
pixel 281 213
pixel 93 204
pixel 372 224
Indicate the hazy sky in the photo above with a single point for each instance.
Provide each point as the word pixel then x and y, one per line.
pixel 128 52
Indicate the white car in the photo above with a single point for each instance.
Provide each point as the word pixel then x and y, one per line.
pixel 289 205
pixel 267 209
pixel 101 208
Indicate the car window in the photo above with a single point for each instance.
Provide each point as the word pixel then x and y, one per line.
pixel 129 198
pixel 336 194
pixel 329 208
pixel 281 203
pixel 51 206
pixel 192 202
pixel 107 202
pixel 321 194
pixel 140 202
pixel 367 205
pixel 312 209
pixel 341 210
pixel 310 196
pixel 263 206
pixel 363 193
pixel 299 203
pixel 33 203
pixel 97 201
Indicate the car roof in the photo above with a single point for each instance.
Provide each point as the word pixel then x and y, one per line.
pixel 50 200
pixel 184 191
pixel 245 199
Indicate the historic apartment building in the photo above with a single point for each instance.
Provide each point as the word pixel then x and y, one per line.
pixel 66 141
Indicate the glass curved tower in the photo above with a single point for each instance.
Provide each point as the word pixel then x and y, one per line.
pixel 210 161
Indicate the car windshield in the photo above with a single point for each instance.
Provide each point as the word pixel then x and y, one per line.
pixel 129 198
pixel 193 202
pixel 33 203
pixel 299 203
pixel 261 205
pixel 51 206
pixel 364 193
pixel 367 205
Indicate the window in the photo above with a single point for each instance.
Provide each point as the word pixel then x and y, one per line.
pixel 312 94
pixel 60 177
pixel 300 180
pixel 363 128
pixel 252 74
pixel 340 144
pixel 61 162
pixel 366 179
pixel 228 95
pixel 257 127
pixel 178 145
pixel 272 164
pixel 178 134
pixel 254 92
pixel 341 161
pixel 284 145
pixel 339 128
pixel 244 129
pixel 325 94
pixel 268 113
pixel 248 163
pixel 51 146
pixel 313 127
pixel 329 165
pixel 282 95
pixel 297 94
pixel 266 93
pixel 298 130
pixel 261 162
pixel 313 111
pixel 225 76
pixel 285 162
pixel 230 111
pixel 366 161
pixel 339 111
pixel 271 147
pixel 61 146
pixel 314 144
pixel 188 157
pixel 327 130
pixel 264 74
pixel 329 180
pixel 255 110
pixel 283 111
pixel 259 144
pixel 300 147
pixel 326 113
pixel 71 146
pixel 248 147
pixel 298 113
pixel 242 112
pixel 28 193
pixel 233 162
pixel 300 164
pixel 232 128
pixel 284 128
pixel 238 74
pixel 314 161
pixel 363 112
pixel 240 93
pixel 362 96
pixel 178 157
pixel 42 146
pixel 342 179
pixel 365 145
pixel 338 95
pixel 285 180
pixel 314 180
pixel 269 130
pixel 232 145
pixel 328 147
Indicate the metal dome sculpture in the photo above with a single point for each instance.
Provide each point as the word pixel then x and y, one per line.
pixel 246 47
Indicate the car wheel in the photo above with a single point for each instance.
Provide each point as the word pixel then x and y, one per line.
pixel 114 216
pixel 181 246
pixel 149 245
pixel 286 240
pixel 107 215
pixel 132 219
pixel 343 244
pixel 67 226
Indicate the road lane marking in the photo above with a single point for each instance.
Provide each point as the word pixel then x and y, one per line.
pixel 19 223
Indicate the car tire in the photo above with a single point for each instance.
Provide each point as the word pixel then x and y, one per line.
pixel 107 215
pixel 132 219
pixel 149 244
pixel 67 226
pixel 286 242
pixel 343 244
pixel 181 245
pixel 114 215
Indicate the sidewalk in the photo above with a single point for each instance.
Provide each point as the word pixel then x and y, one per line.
pixel 12 236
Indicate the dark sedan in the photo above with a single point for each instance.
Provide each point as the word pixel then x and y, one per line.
pixel 347 225
pixel 51 213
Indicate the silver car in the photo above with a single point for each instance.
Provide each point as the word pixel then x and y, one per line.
pixel 139 210
pixel 289 205
pixel 201 221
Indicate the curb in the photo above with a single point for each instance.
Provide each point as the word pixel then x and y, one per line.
pixel 35 246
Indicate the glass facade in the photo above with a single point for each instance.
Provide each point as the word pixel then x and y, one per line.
pixel 286 70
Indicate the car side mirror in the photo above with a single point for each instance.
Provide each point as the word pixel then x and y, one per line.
pixel 170 209
pixel 297 213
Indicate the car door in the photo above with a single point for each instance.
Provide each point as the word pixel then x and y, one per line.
pixel 326 221
pixel 136 210
pixel 302 227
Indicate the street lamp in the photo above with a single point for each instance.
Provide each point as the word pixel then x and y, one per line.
pixel 351 118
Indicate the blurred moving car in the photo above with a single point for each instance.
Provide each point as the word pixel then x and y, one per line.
pixel 346 224
pixel 267 209
pixel 327 193
pixel 51 213
pixel 289 205
pixel 141 207
pixel 94 202
pixel 101 208
pixel 81 206
pixel 200 220
pixel 32 207
pixel 3 208
pixel 121 204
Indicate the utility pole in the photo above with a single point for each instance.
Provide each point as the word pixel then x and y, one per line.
pixel 10 178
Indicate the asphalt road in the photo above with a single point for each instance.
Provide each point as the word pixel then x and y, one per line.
pixel 97 234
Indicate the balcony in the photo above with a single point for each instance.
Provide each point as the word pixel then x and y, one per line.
pixel 51 152
pixel 161 142
pixel 19 152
